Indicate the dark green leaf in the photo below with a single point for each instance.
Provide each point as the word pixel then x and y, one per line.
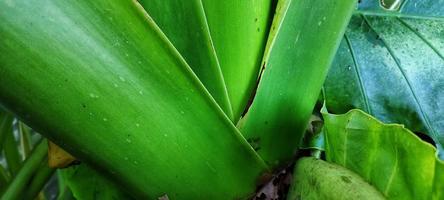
pixel 392 68
pixel 87 184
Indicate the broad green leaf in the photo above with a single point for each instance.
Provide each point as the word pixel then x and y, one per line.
pixel 316 179
pixel 101 80
pixel 19 184
pixel 392 68
pixel 239 32
pixel 87 184
pixel 410 8
pixel 185 25
pixel 390 157
pixel 297 60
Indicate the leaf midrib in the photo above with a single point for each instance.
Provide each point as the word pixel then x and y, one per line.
pixel 418 103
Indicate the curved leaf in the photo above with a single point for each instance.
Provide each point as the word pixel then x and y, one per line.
pixel 297 60
pixel 393 159
pixel 185 25
pixel 316 179
pixel 392 68
pixel 100 79
pixel 239 32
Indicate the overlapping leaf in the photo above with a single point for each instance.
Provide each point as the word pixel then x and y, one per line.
pixel 239 31
pixel 393 159
pixel 300 50
pixel 185 25
pixel 87 184
pixel 101 80
pixel 392 68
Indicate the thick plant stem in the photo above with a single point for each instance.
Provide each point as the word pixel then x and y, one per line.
pixel 21 180
pixel 4 179
pixel 39 180
pixel 305 37
pixel 5 126
pixel 12 154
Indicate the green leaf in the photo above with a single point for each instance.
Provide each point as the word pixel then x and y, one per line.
pixel 316 179
pixel 390 157
pixel 101 80
pixel 239 31
pixel 298 57
pixel 392 68
pixel 410 8
pixel 87 184
pixel 185 25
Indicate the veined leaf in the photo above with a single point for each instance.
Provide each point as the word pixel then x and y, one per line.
pixel 100 79
pixel 393 159
pixel 410 8
pixel 185 25
pixel 87 184
pixel 297 60
pixel 239 31
pixel 392 68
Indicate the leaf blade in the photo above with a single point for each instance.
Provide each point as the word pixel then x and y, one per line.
pixel 184 23
pixel 239 30
pixel 301 51
pixel 117 111
pixel 401 87
pixel 378 152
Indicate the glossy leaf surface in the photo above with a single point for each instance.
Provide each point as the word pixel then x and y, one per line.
pixel 185 25
pixel 390 157
pixel 112 106
pixel 297 60
pixel 392 68
pixel 239 31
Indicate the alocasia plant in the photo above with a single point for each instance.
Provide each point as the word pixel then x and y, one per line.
pixel 207 99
